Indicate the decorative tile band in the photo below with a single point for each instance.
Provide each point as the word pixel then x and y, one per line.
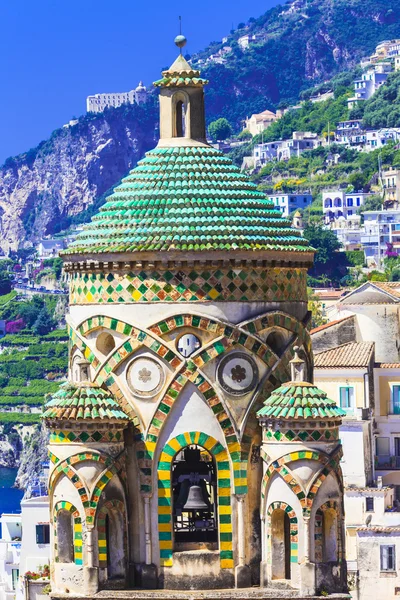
pixel 302 435
pixel 67 436
pixel 165 523
pixel 294 533
pixel 185 285
pixel 78 554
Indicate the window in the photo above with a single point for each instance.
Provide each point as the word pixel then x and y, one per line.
pixel 346 397
pixel 369 504
pixel 349 212
pixel 43 534
pixel 349 201
pixel 388 558
pixel 396 400
pixel 14 575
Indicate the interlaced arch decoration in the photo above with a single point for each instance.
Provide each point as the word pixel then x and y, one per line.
pixel 77 530
pixel 329 464
pixel 165 522
pixel 106 508
pixel 89 500
pixel 294 532
pixel 245 334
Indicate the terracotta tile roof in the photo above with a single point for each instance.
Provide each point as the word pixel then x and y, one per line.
pixel 367 293
pixel 391 287
pixel 379 529
pixel 331 324
pixel 350 355
pixel 387 365
pixel 323 294
pixel 86 401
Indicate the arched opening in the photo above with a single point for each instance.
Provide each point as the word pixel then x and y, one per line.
pixel 277 341
pixel 194 489
pixel 280 537
pixel 326 535
pixel 329 535
pixel 114 525
pixel 65 537
pixel 180 119
pixel 105 343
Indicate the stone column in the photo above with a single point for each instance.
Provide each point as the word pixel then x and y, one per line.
pixel 307 568
pixel 148 571
pixel 263 565
pixel 91 573
pixel 242 571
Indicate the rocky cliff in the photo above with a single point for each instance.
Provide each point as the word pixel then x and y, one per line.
pixel 43 189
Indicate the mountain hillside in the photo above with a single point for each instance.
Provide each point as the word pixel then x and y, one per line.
pixel 297 46
pixel 41 190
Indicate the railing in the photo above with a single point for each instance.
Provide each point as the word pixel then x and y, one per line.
pixel 386 461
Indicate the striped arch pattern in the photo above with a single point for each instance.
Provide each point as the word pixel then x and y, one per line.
pixel 89 502
pixel 78 549
pixel 329 463
pixel 318 531
pixel 107 507
pixel 165 523
pixel 294 531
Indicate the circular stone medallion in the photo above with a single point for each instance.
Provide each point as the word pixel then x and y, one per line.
pixel 145 376
pixel 237 373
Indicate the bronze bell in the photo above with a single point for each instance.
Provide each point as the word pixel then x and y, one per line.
pixel 195 499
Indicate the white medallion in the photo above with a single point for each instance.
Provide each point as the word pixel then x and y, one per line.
pixel 145 376
pixel 237 373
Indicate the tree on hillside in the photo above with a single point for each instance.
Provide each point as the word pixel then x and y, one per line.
pixel 371 203
pixel 44 322
pixel 219 129
pixel 5 280
pixel 329 264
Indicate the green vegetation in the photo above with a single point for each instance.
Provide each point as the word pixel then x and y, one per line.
pixel 19 418
pixel 219 130
pixel 383 109
pixel 330 265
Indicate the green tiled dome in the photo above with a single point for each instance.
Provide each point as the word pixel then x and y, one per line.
pixel 83 401
pixel 188 198
pixel 299 400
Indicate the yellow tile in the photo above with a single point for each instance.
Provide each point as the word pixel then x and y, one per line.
pixel 226 527
pixel 227 563
pixel 164 475
pixel 196 437
pixel 225 546
pixel 165 457
pixel 174 444
pixel 164 510
pixel 164 493
pixel 224 474
pixel 136 295
pixel 224 492
pixel 187 438
pixel 165 545
pixel 164 526
pixel 102 543
pixel 166 562
pixel 225 510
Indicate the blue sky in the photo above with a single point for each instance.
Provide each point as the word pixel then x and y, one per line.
pixel 56 52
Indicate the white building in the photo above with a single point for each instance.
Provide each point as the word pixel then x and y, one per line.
pixel 381 227
pixel 49 248
pixel 97 103
pixel 25 546
pixel 339 203
pixel 287 203
pixel 348 231
pixel 245 40
pixel 285 149
pixel 369 83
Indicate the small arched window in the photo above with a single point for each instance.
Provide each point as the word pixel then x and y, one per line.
pixel 180 116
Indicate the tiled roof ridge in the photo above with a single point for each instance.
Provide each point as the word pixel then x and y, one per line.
pixel 300 401
pixel 330 324
pixel 187 199
pixel 349 355
pixel 83 401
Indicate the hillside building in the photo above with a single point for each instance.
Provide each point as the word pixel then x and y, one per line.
pixel 391 187
pixel 172 441
pixel 337 203
pixel 381 231
pixel 257 123
pixel 287 203
pixel 97 103
pixel 24 547
pixel 369 83
pixel 285 149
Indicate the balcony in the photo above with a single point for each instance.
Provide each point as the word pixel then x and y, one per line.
pixel 386 461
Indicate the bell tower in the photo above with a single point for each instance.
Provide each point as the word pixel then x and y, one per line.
pixel 182 118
